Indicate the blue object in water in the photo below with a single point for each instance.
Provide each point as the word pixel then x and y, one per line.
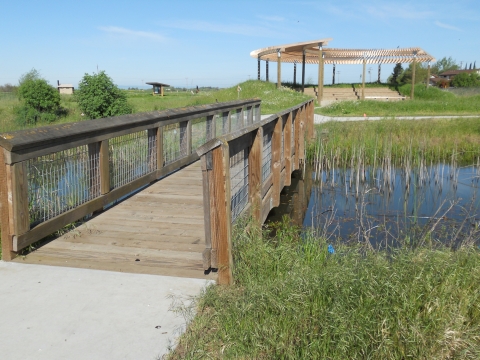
pixel 331 250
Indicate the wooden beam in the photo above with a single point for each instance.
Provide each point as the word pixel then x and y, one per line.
pixel 221 178
pixel 296 141
pixel 320 75
pixel 276 161
pixel 104 168
pixel 279 69
pixel 363 78
pixel 288 149
pixel 6 235
pixel 303 72
pixel 255 174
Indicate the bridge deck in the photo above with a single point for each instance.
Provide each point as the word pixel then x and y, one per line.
pixel 160 231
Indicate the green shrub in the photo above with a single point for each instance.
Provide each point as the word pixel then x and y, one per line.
pixel 99 97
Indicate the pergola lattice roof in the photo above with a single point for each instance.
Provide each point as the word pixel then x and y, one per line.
pixel 293 53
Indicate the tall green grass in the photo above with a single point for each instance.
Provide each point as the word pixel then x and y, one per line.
pixel 292 299
pixel 434 140
pixel 431 101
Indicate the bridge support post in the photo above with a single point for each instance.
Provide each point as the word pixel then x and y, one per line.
pixel 255 175
pixel 222 219
pixel 276 161
pixel 287 148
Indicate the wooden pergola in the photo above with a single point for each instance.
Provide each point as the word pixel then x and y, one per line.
pixel 313 52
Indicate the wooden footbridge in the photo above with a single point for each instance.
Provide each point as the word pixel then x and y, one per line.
pixel 146 202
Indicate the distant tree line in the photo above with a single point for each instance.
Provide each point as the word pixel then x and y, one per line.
pixel 401 76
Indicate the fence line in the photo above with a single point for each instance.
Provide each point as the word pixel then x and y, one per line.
pixel 57 174
pixel 246 171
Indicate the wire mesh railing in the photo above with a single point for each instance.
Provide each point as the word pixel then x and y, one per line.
pixel 238 182
pixel 61 181
pixel 267 156
pixel 129 157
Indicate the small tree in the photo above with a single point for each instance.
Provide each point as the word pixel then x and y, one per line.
pixel 443 65
pixel 99 97
pixel 397 72
pixel 40 99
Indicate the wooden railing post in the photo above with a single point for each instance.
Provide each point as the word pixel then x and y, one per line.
pixel 222 214
pixel 301 136
pixel 15 217
pixel 7 235
pixel 276 161
pixel 160 160
pixel 255 175
pixel 296 142
pixel 210 253
pixel 104 168
pixel 288 150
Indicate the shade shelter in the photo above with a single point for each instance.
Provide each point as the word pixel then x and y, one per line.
pixel 157 88
pixel 314 52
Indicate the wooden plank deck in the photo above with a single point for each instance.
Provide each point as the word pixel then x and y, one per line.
pixel 159 231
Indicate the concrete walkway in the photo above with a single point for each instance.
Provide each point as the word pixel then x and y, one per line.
pixel 319 119
pixel 51 312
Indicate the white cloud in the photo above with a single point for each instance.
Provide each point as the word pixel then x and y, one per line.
pixel 446 26
pixel 133 34
pixel 221 28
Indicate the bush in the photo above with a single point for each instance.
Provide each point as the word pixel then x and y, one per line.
pixel 466 80
pixel 39 95
pixel 99 97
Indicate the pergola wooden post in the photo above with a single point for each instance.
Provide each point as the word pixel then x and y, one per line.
pixel 279 68
pixel 363 76
pixel 266 70
pixel 258 70
pixel 320 74
pixel 379 72
pixel 333 75
pixel 294 73
pixel 412 90
pixel 303 71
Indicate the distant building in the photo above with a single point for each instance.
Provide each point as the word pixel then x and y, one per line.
pixel 450 74
pixel 157 88
pixel 65 88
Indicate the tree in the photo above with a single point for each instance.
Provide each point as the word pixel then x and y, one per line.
pixel 466 80
pixel 420 74
pixel 443 65
pixel 99 97
pixel 397 72
pixel 39 99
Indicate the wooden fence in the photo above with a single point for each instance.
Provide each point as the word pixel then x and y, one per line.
pixel 246 171
pixel 55 175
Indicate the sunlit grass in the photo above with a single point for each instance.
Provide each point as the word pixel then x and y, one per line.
pixel 292 299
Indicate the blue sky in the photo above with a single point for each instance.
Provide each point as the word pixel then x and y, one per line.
pixel 208 42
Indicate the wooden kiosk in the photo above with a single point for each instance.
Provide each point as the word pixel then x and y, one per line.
pixel 157 88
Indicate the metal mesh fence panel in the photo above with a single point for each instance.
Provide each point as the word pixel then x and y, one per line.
pixel 200 129
pixel 174 143
pixel 130 158
pixel 239 182
pixel 267 156
pixel 256 114
pixel 236 120
pixel 222 123
pixel 61 181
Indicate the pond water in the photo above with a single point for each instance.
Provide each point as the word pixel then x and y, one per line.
pixel 436 203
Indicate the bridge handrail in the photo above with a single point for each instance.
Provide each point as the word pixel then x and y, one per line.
pixel 246 171
pixel 54 175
